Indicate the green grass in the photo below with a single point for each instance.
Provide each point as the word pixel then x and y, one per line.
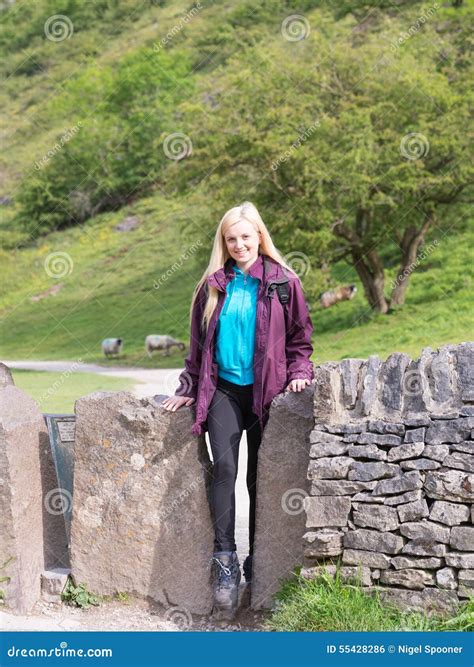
pixel 326 604
pixel 57 392
pixel 110 293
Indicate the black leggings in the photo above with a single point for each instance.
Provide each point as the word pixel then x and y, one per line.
pixel 229 413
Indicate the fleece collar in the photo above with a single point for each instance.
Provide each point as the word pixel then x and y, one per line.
pixel 220 278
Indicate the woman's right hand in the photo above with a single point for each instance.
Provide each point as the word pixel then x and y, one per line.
pixel 174 402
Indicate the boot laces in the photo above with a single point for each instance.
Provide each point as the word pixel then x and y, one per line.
pixel 227 570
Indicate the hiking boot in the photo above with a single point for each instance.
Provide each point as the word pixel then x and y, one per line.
pixel 247 568
pixel 226 580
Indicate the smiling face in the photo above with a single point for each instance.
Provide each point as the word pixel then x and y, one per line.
pixel 242 242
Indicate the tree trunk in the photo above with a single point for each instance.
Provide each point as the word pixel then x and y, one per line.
pixel 412 239
pixel 372 277
pixel 367 263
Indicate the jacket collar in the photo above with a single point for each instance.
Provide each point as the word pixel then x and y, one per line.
pixel 222 276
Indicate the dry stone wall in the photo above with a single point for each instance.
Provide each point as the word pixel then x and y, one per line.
pixel 370 468
pixel 391 475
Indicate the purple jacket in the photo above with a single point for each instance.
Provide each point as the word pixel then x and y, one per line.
pixel 282 342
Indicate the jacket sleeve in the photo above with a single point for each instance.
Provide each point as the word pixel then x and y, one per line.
pixel 189 378
pixel 298 335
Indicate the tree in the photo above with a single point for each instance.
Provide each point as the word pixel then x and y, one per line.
pixel 354 149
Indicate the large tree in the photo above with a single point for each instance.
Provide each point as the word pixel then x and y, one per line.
pixel 355 139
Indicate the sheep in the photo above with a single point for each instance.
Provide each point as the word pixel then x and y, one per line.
pixel 156 342
pixel 342 293
pixel 112 346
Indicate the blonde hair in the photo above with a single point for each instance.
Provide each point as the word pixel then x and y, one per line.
pixel 219 254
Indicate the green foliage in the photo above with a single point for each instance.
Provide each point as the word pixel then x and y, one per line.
pixel 327 604
pixel 110 157
pixel 23 25
pixel 463 621
pixel 78 596
pixel 314 131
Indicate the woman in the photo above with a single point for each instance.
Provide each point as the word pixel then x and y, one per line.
pixel 250 340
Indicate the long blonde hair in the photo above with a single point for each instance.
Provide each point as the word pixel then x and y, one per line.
pixel 219 255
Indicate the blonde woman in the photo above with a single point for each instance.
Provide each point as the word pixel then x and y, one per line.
pixel 250 340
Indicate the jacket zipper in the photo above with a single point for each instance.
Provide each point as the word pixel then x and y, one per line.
pixel 241 315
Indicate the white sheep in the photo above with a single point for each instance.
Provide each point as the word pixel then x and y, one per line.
pixel 156 342
pixel 112 346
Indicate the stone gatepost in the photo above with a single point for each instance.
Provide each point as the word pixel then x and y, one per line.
pixel 141 514
pixel 281 489
pixel 23 436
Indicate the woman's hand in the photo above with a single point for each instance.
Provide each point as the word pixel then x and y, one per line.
pixel 174 402
pixel 298 385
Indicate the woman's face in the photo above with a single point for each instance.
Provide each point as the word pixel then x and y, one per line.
pixel 242 242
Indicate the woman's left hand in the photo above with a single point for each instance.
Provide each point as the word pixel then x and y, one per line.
pixel 298 385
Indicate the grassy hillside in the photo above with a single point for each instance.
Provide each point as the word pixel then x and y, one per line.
pixel 125 84
pixel 110 292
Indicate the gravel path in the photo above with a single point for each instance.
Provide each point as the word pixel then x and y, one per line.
pixel 135 615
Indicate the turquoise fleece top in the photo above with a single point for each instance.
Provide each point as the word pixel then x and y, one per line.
pixel 235 331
